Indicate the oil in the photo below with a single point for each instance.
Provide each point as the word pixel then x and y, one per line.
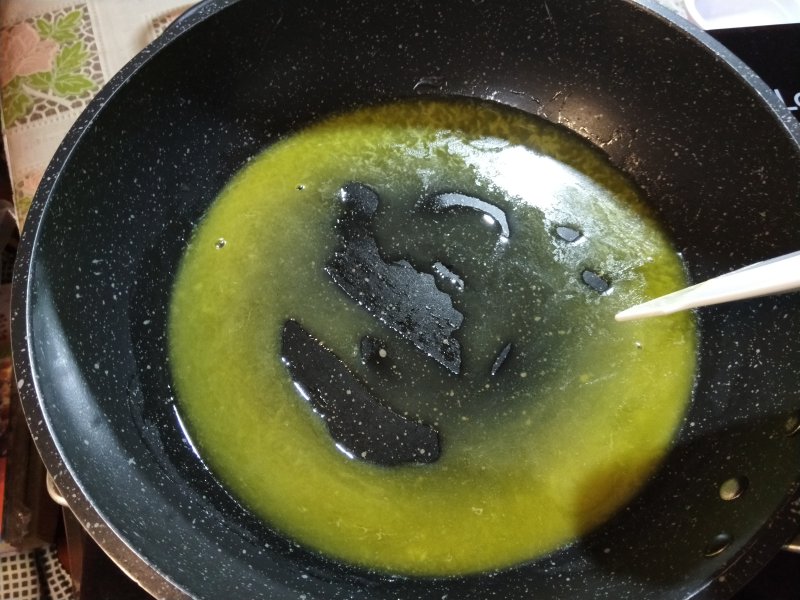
pixel 556 415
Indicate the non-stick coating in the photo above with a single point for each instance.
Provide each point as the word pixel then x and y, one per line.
pixel 716 157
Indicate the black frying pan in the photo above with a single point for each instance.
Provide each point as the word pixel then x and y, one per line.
pixel 703 137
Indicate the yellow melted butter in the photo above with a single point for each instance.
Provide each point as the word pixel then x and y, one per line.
pixel 576 421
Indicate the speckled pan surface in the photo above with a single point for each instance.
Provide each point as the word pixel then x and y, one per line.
pixel 715 154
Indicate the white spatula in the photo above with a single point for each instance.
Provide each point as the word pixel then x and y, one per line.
pixel 772 276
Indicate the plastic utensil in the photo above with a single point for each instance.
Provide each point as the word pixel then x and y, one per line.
pixel 781 274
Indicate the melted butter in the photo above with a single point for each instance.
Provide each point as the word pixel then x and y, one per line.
pixel 563 436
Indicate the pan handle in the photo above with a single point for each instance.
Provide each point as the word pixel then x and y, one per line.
pixel 793 546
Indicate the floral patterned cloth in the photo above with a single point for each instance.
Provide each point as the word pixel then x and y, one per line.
pixel 24 53
pixel 45 63
pixel 54 57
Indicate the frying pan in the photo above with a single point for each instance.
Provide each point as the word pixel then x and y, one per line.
pixel 714 154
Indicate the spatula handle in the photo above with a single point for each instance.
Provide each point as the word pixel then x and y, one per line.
pixel 777 275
